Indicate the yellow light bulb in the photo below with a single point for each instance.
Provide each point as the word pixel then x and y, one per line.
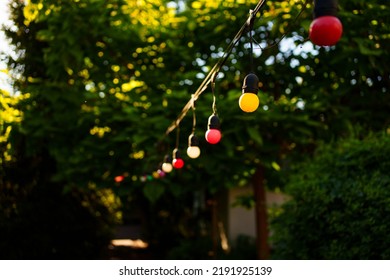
pixel 249 102
pixel 155 175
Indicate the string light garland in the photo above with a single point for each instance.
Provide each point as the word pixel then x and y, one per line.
pixel 216 68
pixel 325 30
pixel 213 120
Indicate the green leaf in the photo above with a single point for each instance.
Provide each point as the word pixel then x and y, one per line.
pixel 153 190
pixel 275 166
pixel 255 135
pixel 364 49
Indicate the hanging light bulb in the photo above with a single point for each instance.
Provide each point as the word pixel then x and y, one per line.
pixel 213 134
pixel 249 101
pixel 193 150
pixel 143 178
pixel 326 29
pixel 161 173
pixel 167 165
pixel 155 175
pixel 177 161
pixel 119 178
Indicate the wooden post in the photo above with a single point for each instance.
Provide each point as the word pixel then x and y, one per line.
pixel 214 227
pixel 260 214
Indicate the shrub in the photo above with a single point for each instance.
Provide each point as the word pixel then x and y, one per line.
pixel 340 206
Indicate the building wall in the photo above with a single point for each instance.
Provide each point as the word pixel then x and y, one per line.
pixel 240 220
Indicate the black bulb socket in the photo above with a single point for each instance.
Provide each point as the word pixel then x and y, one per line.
pixel 193 141
pixel 176 154
pixel 325 8
pixel 167 159
pixel 250 84
pixel 214 122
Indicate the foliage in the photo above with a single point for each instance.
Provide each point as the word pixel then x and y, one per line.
pixel 192 249
pixel 243 248
pixel 9 116
pixel 41 222
pixel 340 204
pixel 102 80
pixel 105 95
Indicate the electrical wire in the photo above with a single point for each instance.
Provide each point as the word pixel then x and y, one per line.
pixel 216 68
pixel 193 116
pixel 287 31
pixel 211 76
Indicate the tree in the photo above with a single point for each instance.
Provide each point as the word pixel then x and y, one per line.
pixel 97 104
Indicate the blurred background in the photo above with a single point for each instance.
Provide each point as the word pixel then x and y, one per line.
pixel 88 89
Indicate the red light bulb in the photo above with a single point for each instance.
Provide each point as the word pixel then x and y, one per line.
pixel 119 178
pixel 178 163
pixel 325 31
pixel 213 134
pixel 326 28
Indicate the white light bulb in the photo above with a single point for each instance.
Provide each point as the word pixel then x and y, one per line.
pixel 193 151
pixel 167 167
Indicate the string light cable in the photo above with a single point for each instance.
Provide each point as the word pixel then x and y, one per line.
pixel 325 30
pixel 249 101
pixel 193 150
pixel 289 29
pixel 250 86
pixel 216 68
pixel 213 134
